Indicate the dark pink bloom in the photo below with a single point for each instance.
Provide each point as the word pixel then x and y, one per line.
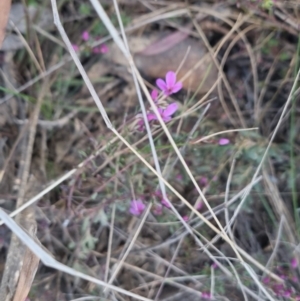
pixel 154 95
pixel 170 86
pixel 199 205
pixel 100 49
pixel 75 47
pixel 96 49
pixel 224 141
pixel 287 293
pixel 85 35
pixel 166 203
pixel 137 207
pixel 206 295
pixel 266 280
pixel 203 181
pixel 141 125
pixel 103 48
pixel 166 114
pixel 185 218
pixel 278 289
pixel 294 278
pixel 294 263
pixel 179 177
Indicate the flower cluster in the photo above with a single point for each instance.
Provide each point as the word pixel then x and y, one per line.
pixel 86 37
pixel 168 86
pixel 206 295
pixel 137 207
pixel 281 289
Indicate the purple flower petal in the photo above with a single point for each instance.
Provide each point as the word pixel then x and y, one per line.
pixel 166 118
pixel 136 207
pixel 151 116
pixel 160 111
pixel 199 205
pixel 203 181
pixel 85 35
pixel 185 218
pixel 206 295
pixel 177 87
pixel 170 79
pixel 171 109
pixel 154 94
pixel 96 49
pixel 161 84
pixel 75 47
pixel 266 280
pixel 103 48
pixel 294 263
pixel 166 203
pixel 224 141
pixel 141 125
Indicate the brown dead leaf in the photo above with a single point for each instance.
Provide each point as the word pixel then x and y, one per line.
pixel 4 13
pixel 136 44
pixel 155 56
pixel 167 54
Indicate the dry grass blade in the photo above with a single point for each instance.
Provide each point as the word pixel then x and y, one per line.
pixel 132 242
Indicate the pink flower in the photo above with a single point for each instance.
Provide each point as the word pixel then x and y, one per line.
pixel 166 114
pixel 166 203
pixel 224 141
pixel 85 35
pixel 278 289
pixel 96 49
pixel 100 49
pixel 199 205
pixel 154 95
pixel 103 48
pixel 179 177
pixel 287 293
pixel 294 278
pixel 75 47
pixel 136 207
pixel 214 265
pixel 185 218
pixel 294 263
pixel 206 295
pixel 203 181
pixel 266 280
pixel 169 86
pixel 141 125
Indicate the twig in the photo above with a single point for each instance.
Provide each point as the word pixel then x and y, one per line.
pixel 10 284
